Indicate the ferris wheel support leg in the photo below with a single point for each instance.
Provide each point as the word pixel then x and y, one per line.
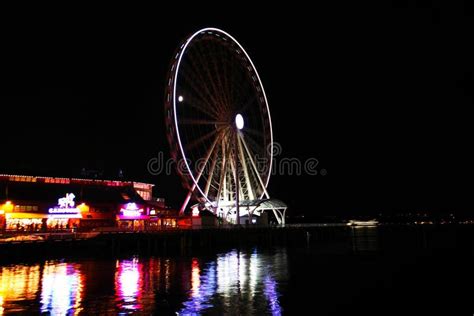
pixel 237 180
pixel 233 165
pixel 284 214
pixel 250 193
pixel 252 163
pixel 279 217
pixel 186 200
pixel 190 193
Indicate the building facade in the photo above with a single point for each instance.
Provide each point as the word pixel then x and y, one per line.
pixel 41 204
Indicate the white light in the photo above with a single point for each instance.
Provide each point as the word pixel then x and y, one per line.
pixel 67 201
pixel 239 121
pixel 64 216
pixel 180 98
pixel 60 210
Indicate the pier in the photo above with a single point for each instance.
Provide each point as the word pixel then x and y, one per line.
pixel 172 241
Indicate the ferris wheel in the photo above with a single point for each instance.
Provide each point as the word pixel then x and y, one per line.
pixel 219 125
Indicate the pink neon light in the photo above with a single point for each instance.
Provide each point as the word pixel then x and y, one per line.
pixel 131 213
pixel 132 210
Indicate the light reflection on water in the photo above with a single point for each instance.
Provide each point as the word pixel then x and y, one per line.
pixel 18 285
pixel 128 284
pixel 235 279
pixel 61 288
pixel 250 281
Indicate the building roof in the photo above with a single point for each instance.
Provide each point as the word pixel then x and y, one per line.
pixel 62 180
pixel 264 204
pixel 51 192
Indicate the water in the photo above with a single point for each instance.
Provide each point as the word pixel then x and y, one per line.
pixel 184 285
pixel 373 271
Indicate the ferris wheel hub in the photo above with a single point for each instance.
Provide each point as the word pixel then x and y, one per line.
pixel 239 121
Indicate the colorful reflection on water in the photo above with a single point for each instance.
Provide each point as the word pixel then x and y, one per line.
pixel 19 284
pixel 128 284
pixel 61 288
pixel 185 286
pixel 236 280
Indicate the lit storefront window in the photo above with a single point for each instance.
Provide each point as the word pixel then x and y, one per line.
pixel 169 222
pixel 65 215
pixel 132 217
pixel 32 218
pixel 23 224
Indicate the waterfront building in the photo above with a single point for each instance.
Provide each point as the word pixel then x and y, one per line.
pixel 35 204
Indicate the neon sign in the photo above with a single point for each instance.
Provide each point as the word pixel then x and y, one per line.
pixel 67 201
pixel 56 210
pixel 65 205
pixel 131 209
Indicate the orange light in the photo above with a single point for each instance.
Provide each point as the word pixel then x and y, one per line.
pixel 83 207
pixel 7 207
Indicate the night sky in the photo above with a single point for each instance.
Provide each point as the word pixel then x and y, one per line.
pixel 381 96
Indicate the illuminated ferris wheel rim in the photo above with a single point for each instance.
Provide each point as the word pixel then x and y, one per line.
pixel 175 74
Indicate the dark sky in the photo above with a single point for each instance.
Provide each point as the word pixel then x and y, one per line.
pixel 381 96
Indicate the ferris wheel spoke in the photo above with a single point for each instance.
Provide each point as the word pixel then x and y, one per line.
pixel 218 71
pixel 254 132
pixel 223 53
pixel 231 79
pixel 254 151
pixel 257 161
pixel 250 101
pixel 230 63
pixel 234 175
pixel 241 91
pixel 199 106
pixel 190 121
pixel 243 160
pixel 210 80
pixel 256 172
pixel 211 172
pixel 198 101
pixel 200 98
pixel 254 145
pixel 214 79
pixel 222 190
pixel 201 140
pixel 208 99
pixel 206 160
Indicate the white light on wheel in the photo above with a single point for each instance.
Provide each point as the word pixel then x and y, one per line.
pixel 239 121
pixel 180 98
